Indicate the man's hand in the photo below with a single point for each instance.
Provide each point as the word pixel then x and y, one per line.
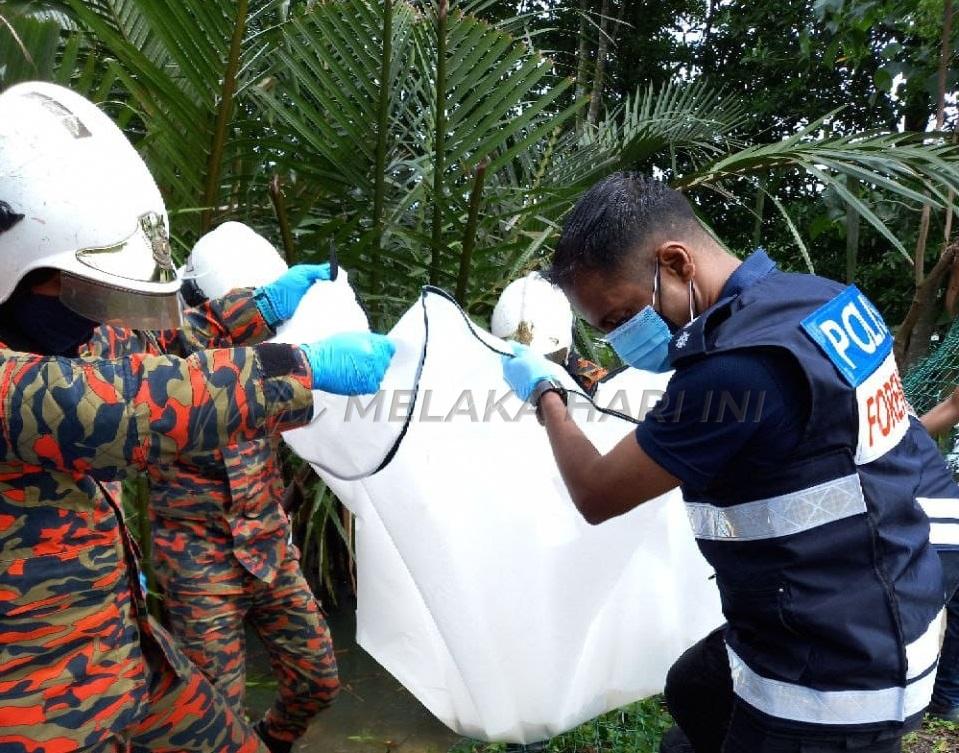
pixel 278 300
pixel 350 363
pixel 525 369
pixel 944 416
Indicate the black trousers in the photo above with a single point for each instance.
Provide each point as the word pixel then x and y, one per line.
pixel 699 694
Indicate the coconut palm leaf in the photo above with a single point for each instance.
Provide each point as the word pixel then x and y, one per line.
pixel 28 49
pixel 388 138
pixel 187 65
pixel 900 165
pixel 39 42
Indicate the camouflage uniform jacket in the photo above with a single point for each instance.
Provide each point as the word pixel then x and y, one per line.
pixel 72 621
pixel 586 373
pixel 210 515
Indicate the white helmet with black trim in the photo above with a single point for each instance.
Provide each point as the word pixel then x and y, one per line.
pixel 81 200
pixel 536 313
pixel 231 256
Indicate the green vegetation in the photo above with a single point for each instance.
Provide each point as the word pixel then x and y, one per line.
pixel 634 729
pixel 935 737
pixel 443 143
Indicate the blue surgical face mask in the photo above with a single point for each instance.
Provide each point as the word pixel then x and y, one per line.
pixel 643 340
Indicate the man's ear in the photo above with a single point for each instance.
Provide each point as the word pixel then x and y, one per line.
pixel 675 258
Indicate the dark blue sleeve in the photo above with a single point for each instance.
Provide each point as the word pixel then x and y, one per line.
pixel 740 406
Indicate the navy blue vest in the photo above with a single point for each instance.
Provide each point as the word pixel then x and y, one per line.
pixel 827 577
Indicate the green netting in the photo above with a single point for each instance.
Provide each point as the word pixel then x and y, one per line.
pixel 934 377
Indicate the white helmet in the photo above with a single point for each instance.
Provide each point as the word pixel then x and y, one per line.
pixel 89 207
pixel 535 313
pixel 232 256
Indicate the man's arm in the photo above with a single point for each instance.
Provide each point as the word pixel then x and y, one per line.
pixel 602 486
pixel 101 416
pixel 241 317
pixel 230 321
pixel 944 416
pixel 684 438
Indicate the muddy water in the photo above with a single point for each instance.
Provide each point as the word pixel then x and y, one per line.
pixel 373 713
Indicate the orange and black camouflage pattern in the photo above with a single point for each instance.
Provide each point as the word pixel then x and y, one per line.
pixel 73 631
pixel 586 373
pixel 220 545
pixel 227 497
pixel 224 521
pixel 223 323
pixel 209 628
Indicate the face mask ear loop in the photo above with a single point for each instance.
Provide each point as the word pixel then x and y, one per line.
pixel 656 287
pixel 692 301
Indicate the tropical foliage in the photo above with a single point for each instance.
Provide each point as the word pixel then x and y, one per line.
pixel 429 143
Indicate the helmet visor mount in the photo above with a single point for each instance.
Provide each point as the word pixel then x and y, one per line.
pixel 143 257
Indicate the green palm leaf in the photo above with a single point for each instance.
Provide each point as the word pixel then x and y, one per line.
pixel 187 65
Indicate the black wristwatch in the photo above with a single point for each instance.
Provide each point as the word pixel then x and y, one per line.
pixel 544 386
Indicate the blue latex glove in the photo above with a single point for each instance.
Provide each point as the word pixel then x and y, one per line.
pixel 350 363
pixel 525 369
pixel 278 300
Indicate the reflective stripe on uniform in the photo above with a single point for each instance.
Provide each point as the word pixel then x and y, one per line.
pixel 799 703
pixel 941 507
pixel 944 533
pixel 943 514
pixel 923 652
pixel 779 516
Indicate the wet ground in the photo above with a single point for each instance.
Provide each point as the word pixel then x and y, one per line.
pixel 373 713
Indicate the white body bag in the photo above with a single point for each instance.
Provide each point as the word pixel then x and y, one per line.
pixel 481 588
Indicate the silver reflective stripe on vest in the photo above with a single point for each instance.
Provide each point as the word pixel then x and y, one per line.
pixel 940 507
pixel 923 652
pixel 787 700
pixel 779 516
pixel 944 534
pixel 943 513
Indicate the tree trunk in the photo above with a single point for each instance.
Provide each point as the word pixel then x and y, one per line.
pixel 925 297
pixel 582 59
pixel 760 211
pixel 925 326
pixel 707 31
pixel 852 239
pixel 439 156
pixel 912 340
pixel 224 116
pixel 599 72
pixel 945 53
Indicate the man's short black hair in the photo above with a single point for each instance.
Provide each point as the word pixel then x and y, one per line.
pixel 619 214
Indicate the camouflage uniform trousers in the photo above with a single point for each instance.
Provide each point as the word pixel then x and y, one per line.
pixel 184 714
pixel 209 629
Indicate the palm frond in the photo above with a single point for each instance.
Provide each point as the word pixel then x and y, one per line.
pixel 187 65
pixel 902 165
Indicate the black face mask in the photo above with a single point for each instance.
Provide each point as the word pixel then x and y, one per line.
pixel 55 329
pixel 191 294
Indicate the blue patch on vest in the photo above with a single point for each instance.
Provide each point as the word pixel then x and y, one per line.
pixel 852 334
